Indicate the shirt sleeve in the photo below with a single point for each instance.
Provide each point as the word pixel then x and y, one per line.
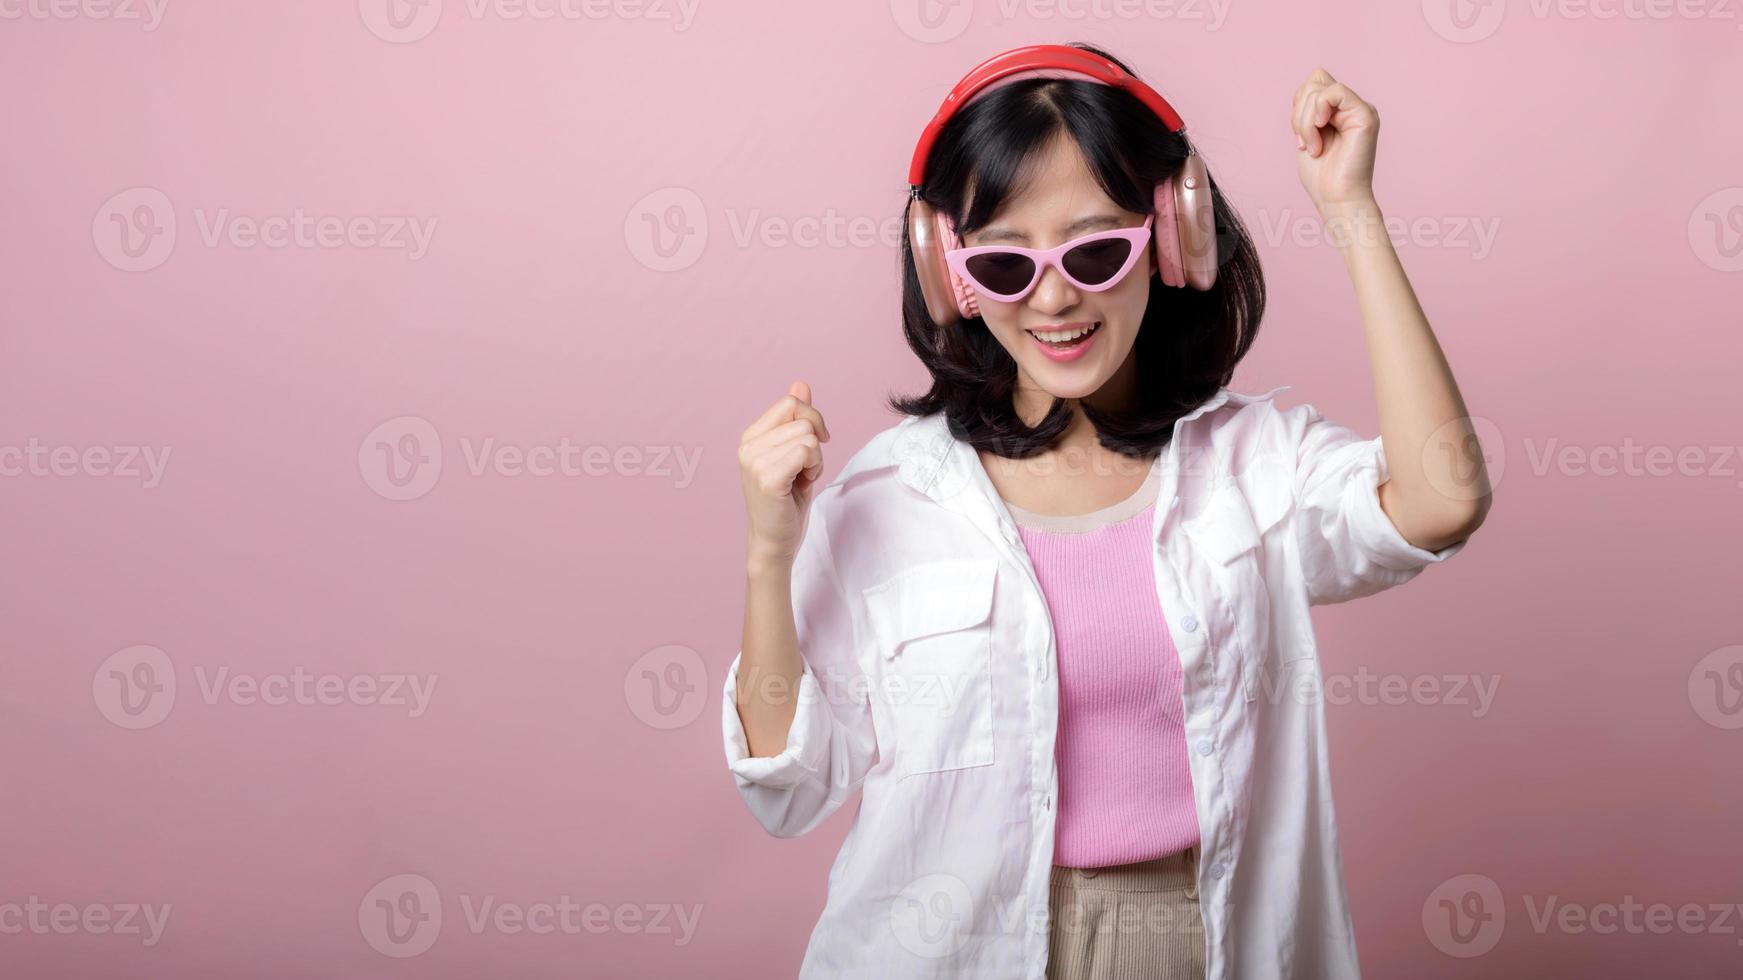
pixel 1348 547
pixel 831 744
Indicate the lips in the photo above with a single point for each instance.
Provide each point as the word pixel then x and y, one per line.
pixel 1066 341
pixel 1065 332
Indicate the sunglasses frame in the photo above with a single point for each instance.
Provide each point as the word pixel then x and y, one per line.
pixel 957 258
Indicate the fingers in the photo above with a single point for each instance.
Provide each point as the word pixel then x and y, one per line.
pixel 778 437
pixel 1316 103
pixel 1316 81
pixel 796 403
pixel 773 459
pixel 775 472
pixel 1303 106
pixel 811 456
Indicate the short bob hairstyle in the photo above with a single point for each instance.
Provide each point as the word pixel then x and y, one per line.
pixel 1189 341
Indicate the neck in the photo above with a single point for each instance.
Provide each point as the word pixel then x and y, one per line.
pixel 1118 394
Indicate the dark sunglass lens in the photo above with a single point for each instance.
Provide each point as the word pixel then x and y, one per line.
pixel 1097 262
pixel 1002 272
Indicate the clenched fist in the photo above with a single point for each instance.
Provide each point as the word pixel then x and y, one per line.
pixel 1337 134
pixel 780 458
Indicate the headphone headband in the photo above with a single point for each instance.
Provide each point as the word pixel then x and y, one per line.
pixel 1035 60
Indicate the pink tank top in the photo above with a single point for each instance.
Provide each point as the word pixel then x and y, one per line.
pixel 1125 786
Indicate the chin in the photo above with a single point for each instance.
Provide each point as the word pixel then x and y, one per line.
pixel 1078 379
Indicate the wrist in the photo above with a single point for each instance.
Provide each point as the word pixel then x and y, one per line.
pixel 1354 224
pixel 763 562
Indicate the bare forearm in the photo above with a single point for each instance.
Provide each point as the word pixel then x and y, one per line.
pixel 1438 491
pixel 769 666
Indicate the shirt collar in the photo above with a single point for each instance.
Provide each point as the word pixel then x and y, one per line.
pixel 934 462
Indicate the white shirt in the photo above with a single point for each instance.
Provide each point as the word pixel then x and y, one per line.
pixel 929 686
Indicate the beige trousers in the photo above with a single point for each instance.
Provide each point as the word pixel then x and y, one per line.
pixel 1127 921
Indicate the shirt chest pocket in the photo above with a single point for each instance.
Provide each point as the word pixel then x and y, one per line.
pixel 933 630
pixel 1229 542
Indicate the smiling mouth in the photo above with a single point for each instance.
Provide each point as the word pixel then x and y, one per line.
pixel 1065 339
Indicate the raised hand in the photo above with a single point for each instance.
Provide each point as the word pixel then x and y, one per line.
pixel 780 458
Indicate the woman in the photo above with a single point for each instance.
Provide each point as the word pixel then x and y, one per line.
pixel 1042 623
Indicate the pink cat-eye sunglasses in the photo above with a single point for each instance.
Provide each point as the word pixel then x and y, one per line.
pixel 1008 273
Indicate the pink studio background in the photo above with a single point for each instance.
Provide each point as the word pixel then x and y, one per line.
pixel 1599 156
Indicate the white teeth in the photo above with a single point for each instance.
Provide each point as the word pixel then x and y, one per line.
pixel 1061 336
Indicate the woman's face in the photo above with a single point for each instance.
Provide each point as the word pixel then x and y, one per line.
pixel 1062 201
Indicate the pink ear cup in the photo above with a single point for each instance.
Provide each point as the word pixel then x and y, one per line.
pixel 1167 229
pixel 1197 225
pixel 965 301
pixel 930 267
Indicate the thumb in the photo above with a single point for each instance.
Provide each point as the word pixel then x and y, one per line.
pixel 801 391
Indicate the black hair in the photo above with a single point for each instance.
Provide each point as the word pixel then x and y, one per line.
pixel 1189 341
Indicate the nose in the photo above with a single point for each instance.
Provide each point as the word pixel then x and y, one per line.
pixel 1054 294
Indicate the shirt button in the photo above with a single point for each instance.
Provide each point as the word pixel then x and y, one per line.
pixel 1204 746
pixel 1189 623
pixel 1217 869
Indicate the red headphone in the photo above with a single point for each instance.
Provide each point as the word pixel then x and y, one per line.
pixel 1185 226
